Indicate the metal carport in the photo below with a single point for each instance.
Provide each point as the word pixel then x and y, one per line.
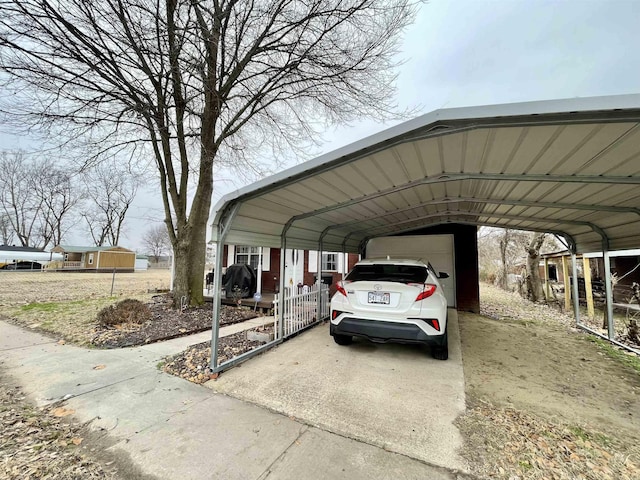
pixel 569 167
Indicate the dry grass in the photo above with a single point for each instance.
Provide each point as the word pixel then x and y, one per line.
pixel 66 304
pixel 21 288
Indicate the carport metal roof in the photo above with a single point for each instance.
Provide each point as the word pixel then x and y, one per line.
pixel 571 167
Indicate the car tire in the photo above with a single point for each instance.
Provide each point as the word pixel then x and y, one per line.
pixel 343 339
pixel 441 352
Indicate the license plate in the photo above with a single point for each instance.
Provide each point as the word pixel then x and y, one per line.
pixel 379 297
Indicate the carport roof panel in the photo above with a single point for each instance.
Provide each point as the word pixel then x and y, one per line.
pixel 515 165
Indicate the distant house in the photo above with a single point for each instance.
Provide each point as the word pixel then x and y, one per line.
pixel 142 262
pixel 97 259
pixel 159 261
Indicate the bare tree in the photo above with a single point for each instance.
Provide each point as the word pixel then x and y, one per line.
pixel 500 252
pixel 37 199
pixel 198 82
pixel 58 195
pixel 505 241
pixel 20 207
pixel 6 231
pixel 110 190
pixel 156 241
pixel 534 283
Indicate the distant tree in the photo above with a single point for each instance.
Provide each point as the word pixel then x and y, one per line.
pixel 37 200
pixel 6 231
pixel 199 83
pixel 505 240
pixel 156 241
pixel 110 190
pixel 500 252
pixel 58 195
pixel 534 282
pixel 19 204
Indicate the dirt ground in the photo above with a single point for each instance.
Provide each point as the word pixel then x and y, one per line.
pixel 544 401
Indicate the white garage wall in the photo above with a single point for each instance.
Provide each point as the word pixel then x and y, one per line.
pixel 435 249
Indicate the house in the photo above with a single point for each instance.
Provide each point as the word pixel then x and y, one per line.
pixel 159 261
pixel 97 259
pixel 301 266
pixel 142 262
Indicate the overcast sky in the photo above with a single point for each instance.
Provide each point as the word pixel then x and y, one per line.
pixel 469 52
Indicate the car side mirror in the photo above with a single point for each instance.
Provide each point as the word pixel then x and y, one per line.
pixel 443 275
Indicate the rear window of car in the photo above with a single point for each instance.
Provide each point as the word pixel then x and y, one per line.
pixel 388 273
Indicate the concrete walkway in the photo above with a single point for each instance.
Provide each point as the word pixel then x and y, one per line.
pixel 170 428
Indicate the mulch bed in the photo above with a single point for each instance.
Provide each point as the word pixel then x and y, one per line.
pixel 193 363
pixel 166 323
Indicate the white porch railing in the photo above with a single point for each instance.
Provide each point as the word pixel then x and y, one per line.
pixel 301 309
pixel 72 264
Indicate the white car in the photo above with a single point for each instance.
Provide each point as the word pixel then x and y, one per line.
pixel 391 301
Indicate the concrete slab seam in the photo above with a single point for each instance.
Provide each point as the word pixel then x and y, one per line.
pixel 28 346
pixel 69 396
pixel 264 475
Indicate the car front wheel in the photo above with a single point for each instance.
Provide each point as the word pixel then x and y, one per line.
pixel 343 339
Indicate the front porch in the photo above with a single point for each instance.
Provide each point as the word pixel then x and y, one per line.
pixel 265 305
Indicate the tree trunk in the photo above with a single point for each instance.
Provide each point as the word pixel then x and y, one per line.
pixel 534 283
pixel 504 244
pixel 190 245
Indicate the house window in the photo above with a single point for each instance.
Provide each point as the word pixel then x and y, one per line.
pixel 329 262
pixel 91 259
pixel 248 256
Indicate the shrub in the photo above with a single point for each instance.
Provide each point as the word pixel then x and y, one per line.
pixel 125 311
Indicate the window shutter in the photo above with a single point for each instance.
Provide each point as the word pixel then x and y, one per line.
pixel 313 261
pixel 266 259
pixel 231 255
pixel 340 262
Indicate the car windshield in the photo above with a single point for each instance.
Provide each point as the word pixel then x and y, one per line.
pixel 388 273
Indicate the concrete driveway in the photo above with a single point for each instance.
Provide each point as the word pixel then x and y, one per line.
pixel 392 396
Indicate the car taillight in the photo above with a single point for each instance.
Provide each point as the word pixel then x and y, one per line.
pixel 429 289
pixel 341 289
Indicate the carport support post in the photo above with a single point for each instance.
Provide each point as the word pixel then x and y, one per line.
pixel 217 302
pixel 608 293
pixel 224 223
pixel 576 295
pixel 283 263
pixel 319 306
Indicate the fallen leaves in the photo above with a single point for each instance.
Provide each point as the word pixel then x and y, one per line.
pixel 506 443
pixel 40 443
pixel 62 412
pixel 100 367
